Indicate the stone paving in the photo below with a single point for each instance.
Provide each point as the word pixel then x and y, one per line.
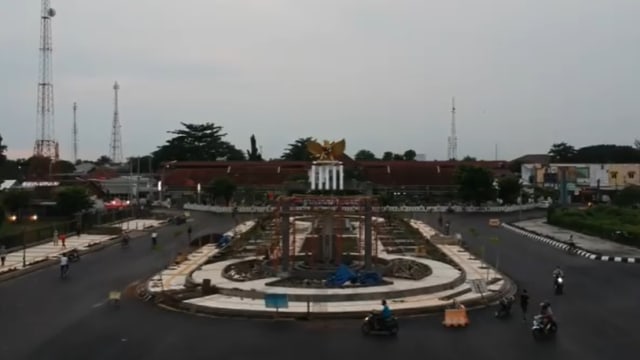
pixel 586 242
pixel 49 250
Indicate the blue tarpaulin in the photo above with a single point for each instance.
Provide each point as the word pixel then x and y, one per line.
pixel 224 241
pixel 344 275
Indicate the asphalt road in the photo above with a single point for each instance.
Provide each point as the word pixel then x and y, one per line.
pixel 42 317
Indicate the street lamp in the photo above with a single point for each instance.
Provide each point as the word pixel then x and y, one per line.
pixel 14 218
pixel 199 190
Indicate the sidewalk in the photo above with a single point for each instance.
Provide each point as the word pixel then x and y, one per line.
pixel 39 253
pixel 591 244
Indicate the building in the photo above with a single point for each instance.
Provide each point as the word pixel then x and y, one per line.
pixel 582 176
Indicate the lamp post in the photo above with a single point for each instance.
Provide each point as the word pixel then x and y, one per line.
pixel 199 189
pixel 16 218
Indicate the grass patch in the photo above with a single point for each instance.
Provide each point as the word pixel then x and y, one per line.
pixel 600 221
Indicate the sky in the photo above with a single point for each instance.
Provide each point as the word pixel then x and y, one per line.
pixel 379 73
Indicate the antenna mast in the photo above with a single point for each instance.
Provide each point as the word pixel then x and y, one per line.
pixel 75 134
pixel 453 138
pixel 45 144
pixel 115 152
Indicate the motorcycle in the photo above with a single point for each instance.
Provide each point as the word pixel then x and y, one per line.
pixel 558 285
pixel 73 255
pixel 540 329
pixel 124 242
pixel 374 323
pixel 504 308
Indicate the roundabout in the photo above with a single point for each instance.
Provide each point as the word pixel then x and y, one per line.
pixel 314 263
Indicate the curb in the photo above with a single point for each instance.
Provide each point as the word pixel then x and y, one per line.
pixel 508 288
pixel 563 246
pixel 49 262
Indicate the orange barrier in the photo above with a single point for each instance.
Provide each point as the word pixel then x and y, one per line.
pixel 455 317
pixel 494 222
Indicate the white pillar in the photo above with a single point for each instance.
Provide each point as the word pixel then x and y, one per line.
pixel 325 171
pixel 334 177
pixel 341 181
pixel 312 177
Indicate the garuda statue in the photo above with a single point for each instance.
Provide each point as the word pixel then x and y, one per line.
pixel 327 151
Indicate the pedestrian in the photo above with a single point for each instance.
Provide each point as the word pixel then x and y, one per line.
pixel 78 230
pixel 64 265
pixel 55 237
pixel 524 303
pixel 189 231
pixel 63 240
pixel 154 239
pixel 3 254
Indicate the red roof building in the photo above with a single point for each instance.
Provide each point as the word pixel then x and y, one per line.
pixel 275 173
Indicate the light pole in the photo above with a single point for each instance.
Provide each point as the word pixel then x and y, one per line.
pixel 199 189
pixel 16 218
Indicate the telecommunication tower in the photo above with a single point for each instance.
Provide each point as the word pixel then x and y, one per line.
pixel 453 138
pixel 115 152
pixel 75 133
pixel 45 144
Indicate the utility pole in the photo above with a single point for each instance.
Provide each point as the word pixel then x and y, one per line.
pixel 45 144
pixel 75 133
pixel 115 151
pixel 452 152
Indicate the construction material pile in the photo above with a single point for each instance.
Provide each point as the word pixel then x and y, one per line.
pixel 407 269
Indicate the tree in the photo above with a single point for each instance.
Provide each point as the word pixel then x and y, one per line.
pixel 469 158
pixel 398 157
pixel 509 189
pixel 72 200
pixel 475 184
pixel 409 155
pixel 254 154
pixel 599 154
pixel 297 151
pixel 14 200
pixel 3 150
pixel 387 156
pixel 562 152
pixel 629 196
pixel 197 142
pixel 38 167
pixel 104 160
pixel 365 155
pixel 222 187
pixel 63 167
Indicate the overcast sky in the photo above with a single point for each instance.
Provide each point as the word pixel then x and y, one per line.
pixel 380 73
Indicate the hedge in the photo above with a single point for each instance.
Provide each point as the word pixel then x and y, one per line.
pixel 600 221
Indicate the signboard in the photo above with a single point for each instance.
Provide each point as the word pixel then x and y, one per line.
pixel 276 301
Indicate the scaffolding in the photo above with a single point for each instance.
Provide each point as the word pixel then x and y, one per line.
pixel 332 210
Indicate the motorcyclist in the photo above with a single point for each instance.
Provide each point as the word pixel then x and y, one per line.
pixel 154 239
pixel 572 244
pixel 64 265
pixel 505 304
pixel 125 240
pixel 385 313
pixel 557 273
pixel 547 314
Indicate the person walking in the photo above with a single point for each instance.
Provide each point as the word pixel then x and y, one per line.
pixel 154 239
pixel 524 303
pixel 3 255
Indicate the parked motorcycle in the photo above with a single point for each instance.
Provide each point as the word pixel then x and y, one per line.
pixel 558 285
pixel 374 323
pixel 540 329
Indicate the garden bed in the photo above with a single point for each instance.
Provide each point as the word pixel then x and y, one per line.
pixel 600 221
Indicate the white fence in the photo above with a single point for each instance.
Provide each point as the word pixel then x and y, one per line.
pixel 410 209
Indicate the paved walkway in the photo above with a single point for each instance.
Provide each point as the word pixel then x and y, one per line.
pixel 586 242
pixel 175 276
pixel 39 253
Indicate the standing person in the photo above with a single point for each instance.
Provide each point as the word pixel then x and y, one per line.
pixel 78 230
pixel 189 231
pixel 55 237
pixel 3 255
pixel 63 240
pixel 524 303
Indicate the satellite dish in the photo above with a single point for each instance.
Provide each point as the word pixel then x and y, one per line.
pixel 51 12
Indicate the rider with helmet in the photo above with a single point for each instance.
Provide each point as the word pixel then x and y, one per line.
pixel 547 314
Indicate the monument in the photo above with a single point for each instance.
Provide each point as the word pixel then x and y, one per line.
pixel 327 171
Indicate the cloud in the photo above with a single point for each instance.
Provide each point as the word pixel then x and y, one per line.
pixel 379 72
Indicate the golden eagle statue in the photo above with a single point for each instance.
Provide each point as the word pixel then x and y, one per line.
pixel 327 151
